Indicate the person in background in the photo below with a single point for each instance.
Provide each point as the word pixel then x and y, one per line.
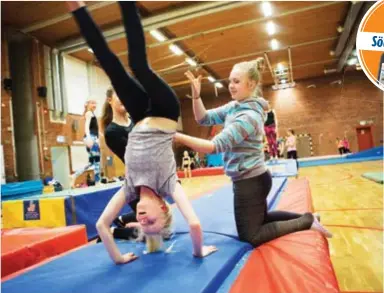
pixel 340 145
pixel 197 160
pixel 291 146
pixel 91 140
pixel 346 145
pixel 281 146
pixel 270 127
pixel 187 165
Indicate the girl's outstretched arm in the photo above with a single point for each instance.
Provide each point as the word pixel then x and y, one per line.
pixel 111 211
pixel 193 221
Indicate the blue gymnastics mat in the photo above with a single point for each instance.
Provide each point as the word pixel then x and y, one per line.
pixel 91 270
pixel 282 168
pixel 336 161
pixel 377 177
pixel 216 211
pixel 373 152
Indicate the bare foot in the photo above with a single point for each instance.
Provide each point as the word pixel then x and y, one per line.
pixel 316 226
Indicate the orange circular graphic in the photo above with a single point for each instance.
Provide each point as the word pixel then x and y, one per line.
pixel 370 44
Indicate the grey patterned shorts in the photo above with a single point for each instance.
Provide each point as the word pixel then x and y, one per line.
pixel 150 162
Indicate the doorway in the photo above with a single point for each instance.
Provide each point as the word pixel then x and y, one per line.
pixel 60 165
pixel 364 137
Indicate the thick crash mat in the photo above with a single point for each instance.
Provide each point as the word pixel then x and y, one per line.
pixel 298 262
pixel 90 269
pixel 282 168
pixel 216 210
pixel 296 197
pixel 212 171
pixel 20 190
pixel 60 209
pixel 373 152
pixel 21 248
pixel 44 212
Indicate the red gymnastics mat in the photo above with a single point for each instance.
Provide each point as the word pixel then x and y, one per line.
pixel 24 247
pixel 203 172
pixel 298 262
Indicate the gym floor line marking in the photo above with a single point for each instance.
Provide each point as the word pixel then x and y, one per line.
pixel 350 209
pixel 356 227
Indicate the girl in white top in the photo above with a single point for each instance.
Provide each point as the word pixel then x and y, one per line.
pixel 291 146
pixel 187 165
pixel 91 140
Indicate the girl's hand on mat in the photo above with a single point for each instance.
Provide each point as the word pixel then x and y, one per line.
pixel 195 84
pixel 126 258
pixel 207 250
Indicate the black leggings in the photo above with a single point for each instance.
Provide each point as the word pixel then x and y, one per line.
pixel 149 95
pixel 122 232
pixel 293 155
pixel 254 224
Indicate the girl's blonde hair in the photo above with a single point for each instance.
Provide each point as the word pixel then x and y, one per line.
pixel 107 114
pixel 155 242
pixel 254 70
pixel 86 105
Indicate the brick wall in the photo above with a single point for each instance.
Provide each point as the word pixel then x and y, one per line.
pixel 325 112
pixel 6 128
pixel 51 129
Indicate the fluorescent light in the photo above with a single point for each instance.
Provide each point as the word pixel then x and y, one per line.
pixel 274 44
pixel 271 28
pixel 280 66
pixel 90 50
pixel 211 79
pixel 175 49
pixel 267 9
pixel 340 29
pixel 218 85
pixel 191 61
pixel 158 35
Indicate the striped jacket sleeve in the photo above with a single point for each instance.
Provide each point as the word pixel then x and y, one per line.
pixel 215 116
pixel 235 133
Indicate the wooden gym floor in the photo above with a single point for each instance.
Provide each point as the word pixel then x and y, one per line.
pixel 351 207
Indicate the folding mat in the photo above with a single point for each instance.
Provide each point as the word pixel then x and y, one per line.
pixel 90 269
pixel 24 247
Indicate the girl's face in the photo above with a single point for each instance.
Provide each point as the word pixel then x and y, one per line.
pixel 92 105
pixel 117 106
pixel 150 213
pixel 240 86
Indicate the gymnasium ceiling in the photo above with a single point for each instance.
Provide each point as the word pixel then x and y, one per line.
pixel 310 37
